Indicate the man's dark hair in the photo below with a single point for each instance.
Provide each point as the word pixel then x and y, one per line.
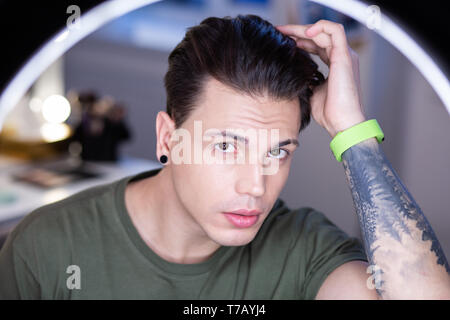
pixel 245 53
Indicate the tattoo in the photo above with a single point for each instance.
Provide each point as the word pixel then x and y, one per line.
pixel 397 236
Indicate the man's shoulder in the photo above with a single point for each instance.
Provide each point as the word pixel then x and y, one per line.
pixel 53 221
pixel 291 225
pixel 298 218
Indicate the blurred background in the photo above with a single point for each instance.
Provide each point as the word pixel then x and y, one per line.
pixel 89 117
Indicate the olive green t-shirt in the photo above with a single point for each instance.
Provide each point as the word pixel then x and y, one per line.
pixel 87 247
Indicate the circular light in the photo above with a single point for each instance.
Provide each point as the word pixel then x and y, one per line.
pixel 109 10
pixel 58 45
pixel 35 104
pixel 52 132
pixel 401 40
pixel 56 109
pixel 62 36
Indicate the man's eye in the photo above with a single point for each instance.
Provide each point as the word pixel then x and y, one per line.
pixel 278 153
pixel 225 147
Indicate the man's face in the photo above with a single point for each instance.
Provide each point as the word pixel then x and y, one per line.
pixel 209 190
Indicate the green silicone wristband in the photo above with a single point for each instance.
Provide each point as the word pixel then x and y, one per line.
pixel 354 135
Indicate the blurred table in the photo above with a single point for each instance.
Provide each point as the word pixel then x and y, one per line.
pixel 18 198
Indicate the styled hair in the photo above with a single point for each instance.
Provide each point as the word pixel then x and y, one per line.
pixel 245 53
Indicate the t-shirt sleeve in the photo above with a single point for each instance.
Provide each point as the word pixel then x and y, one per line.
pixel 17 280
pixel 326 247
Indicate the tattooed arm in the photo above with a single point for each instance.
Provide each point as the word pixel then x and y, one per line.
pixel 401 246
pixel 406 256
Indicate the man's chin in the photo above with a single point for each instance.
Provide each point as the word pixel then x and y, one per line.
pixel 235 238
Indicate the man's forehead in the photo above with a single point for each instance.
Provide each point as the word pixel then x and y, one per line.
pixel 215 91
pixel 245 113
pixel 247 124
pixel 224 107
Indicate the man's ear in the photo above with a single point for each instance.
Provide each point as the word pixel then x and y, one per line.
pixel 164 129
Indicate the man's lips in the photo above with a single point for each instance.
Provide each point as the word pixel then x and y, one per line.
pixel 243 218
pixel 246 212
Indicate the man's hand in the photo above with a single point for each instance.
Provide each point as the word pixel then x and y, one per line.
pixel 336 104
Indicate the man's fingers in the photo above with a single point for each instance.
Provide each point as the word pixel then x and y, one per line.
pixel 325 34
pixel 323 40
pixel 311 47
pixel 295 30
pixel 334 30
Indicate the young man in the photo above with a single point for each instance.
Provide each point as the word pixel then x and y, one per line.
pixel 209 225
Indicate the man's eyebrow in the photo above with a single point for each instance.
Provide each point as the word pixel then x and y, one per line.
pixel 225 133
pixel 286 142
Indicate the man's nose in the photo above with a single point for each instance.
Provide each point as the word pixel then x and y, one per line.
pixel 251 180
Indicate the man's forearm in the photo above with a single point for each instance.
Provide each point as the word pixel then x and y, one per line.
pixel 401 246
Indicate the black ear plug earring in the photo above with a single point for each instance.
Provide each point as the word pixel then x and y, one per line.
pixel 163 159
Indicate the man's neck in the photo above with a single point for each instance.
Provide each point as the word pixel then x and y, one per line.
pixel 163 222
